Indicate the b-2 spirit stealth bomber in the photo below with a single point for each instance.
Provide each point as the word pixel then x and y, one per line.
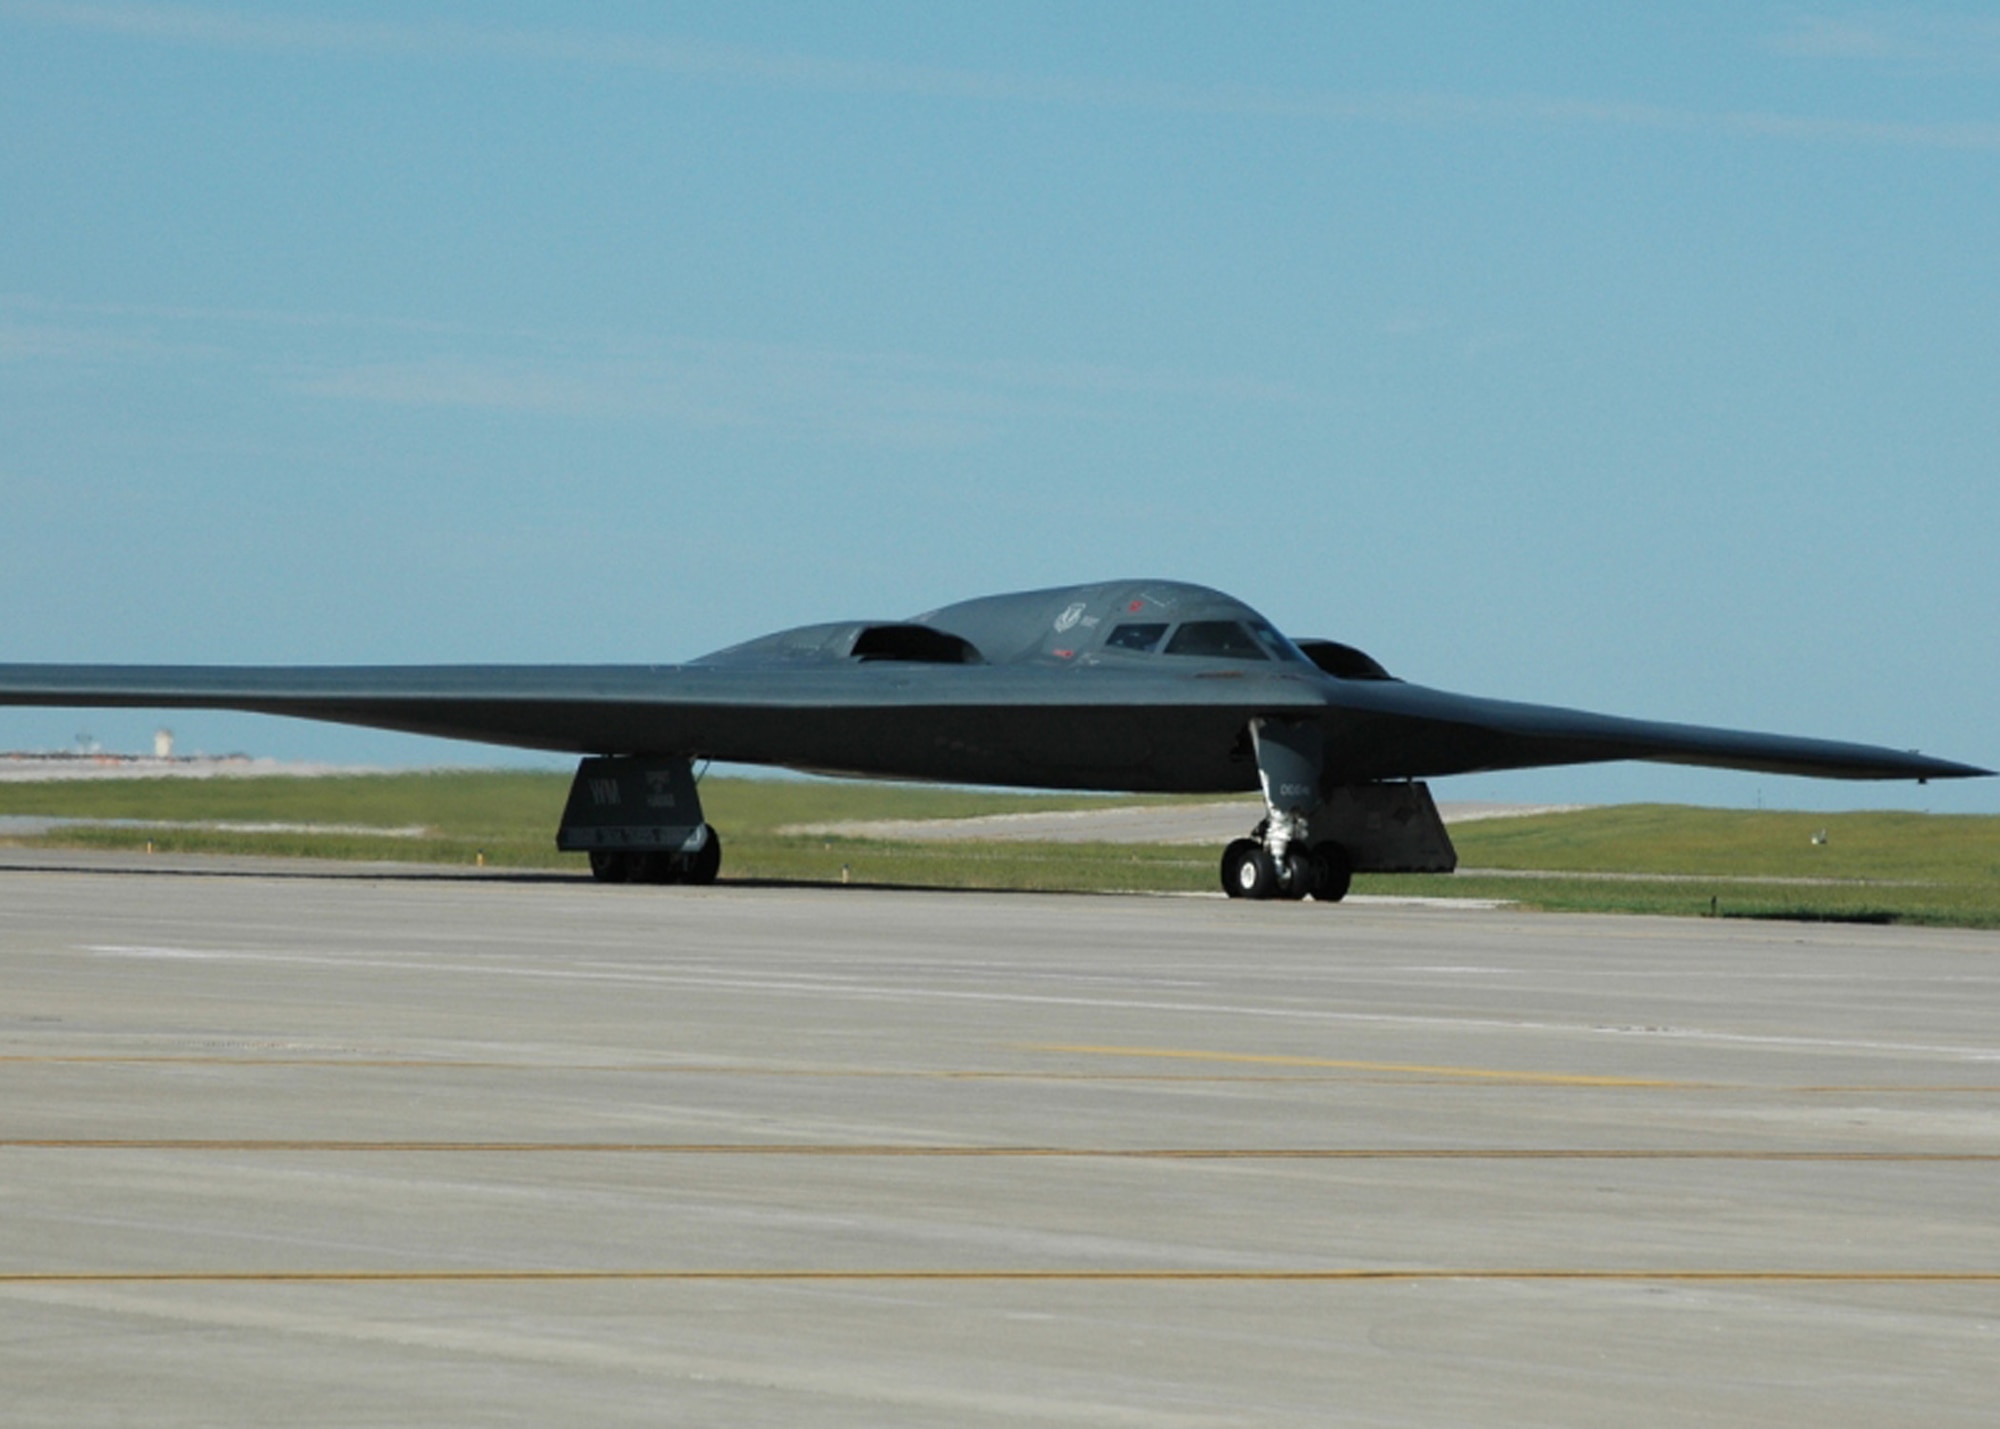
pixel 1126 686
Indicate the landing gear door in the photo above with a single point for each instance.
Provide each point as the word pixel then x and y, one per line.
pixel 1386 828
pixel 636 803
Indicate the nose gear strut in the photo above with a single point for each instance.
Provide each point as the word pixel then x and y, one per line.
pixel 1279 860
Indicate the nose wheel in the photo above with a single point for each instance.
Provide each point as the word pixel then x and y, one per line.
pixel 1323 872
pixel 1333 872
pixel 1248 871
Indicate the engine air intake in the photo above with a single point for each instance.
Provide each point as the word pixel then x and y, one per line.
pixel 1343 662
pixel 918 644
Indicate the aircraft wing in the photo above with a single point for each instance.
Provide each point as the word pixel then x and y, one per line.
pixel 1070 727
pixel 1028 727
pixel 1390 730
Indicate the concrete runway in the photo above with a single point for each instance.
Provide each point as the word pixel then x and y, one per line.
pixel 325 1147
pixel 1214 823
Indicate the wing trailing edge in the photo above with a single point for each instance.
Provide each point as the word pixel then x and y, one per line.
pixel 1403 731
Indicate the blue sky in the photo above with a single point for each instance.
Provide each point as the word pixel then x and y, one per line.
pixel 1641 358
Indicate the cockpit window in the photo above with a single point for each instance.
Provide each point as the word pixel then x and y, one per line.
pixel 1275 644
pixel 1224 639
pixel 1135 637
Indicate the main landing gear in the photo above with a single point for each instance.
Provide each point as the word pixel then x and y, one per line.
pixel 639 819
pixel 609 865
pixel 1277 860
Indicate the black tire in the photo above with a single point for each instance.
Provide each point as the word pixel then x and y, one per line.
pixel 1302 874
pixel 1334 872
pixel 1247 870
pixel 608 865
pixel 1232 859
pixel 704 863
pixel 656 868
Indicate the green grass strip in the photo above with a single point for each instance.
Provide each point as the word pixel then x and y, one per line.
pixel 1646 858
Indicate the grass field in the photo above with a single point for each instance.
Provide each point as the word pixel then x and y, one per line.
pixel 1874 867
pixel 1663 858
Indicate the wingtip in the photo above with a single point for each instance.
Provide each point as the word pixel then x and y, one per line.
pixel 1950 769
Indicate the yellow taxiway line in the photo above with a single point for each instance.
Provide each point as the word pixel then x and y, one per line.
pixel 1392 1073
pixel 877 1149
pixel 1334 1274
pixel 1265 1059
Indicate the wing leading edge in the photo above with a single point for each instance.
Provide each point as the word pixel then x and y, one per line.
pixel 1146 729
pixel 1397 731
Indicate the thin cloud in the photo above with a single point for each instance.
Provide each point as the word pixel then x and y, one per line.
pixel 874 399
pixel 424 363
pixel 734 64
pixel 1932 41
pixel 167 314
pixel 1818 37
pixel 222 29
pixel 57 343
pixel 828 401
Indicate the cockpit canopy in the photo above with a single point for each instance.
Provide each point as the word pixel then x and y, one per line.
pixel 1216 639
pixel 1077 625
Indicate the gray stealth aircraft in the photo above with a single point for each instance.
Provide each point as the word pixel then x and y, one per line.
pixel 1127 686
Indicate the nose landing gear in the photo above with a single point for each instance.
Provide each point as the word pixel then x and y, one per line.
pixel 1277 861
pixel 1323 872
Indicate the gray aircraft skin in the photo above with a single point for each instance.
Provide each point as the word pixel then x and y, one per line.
pixel 1127 686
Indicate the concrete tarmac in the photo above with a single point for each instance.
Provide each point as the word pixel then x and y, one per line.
pixel 1215 822
pixel 302 1145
